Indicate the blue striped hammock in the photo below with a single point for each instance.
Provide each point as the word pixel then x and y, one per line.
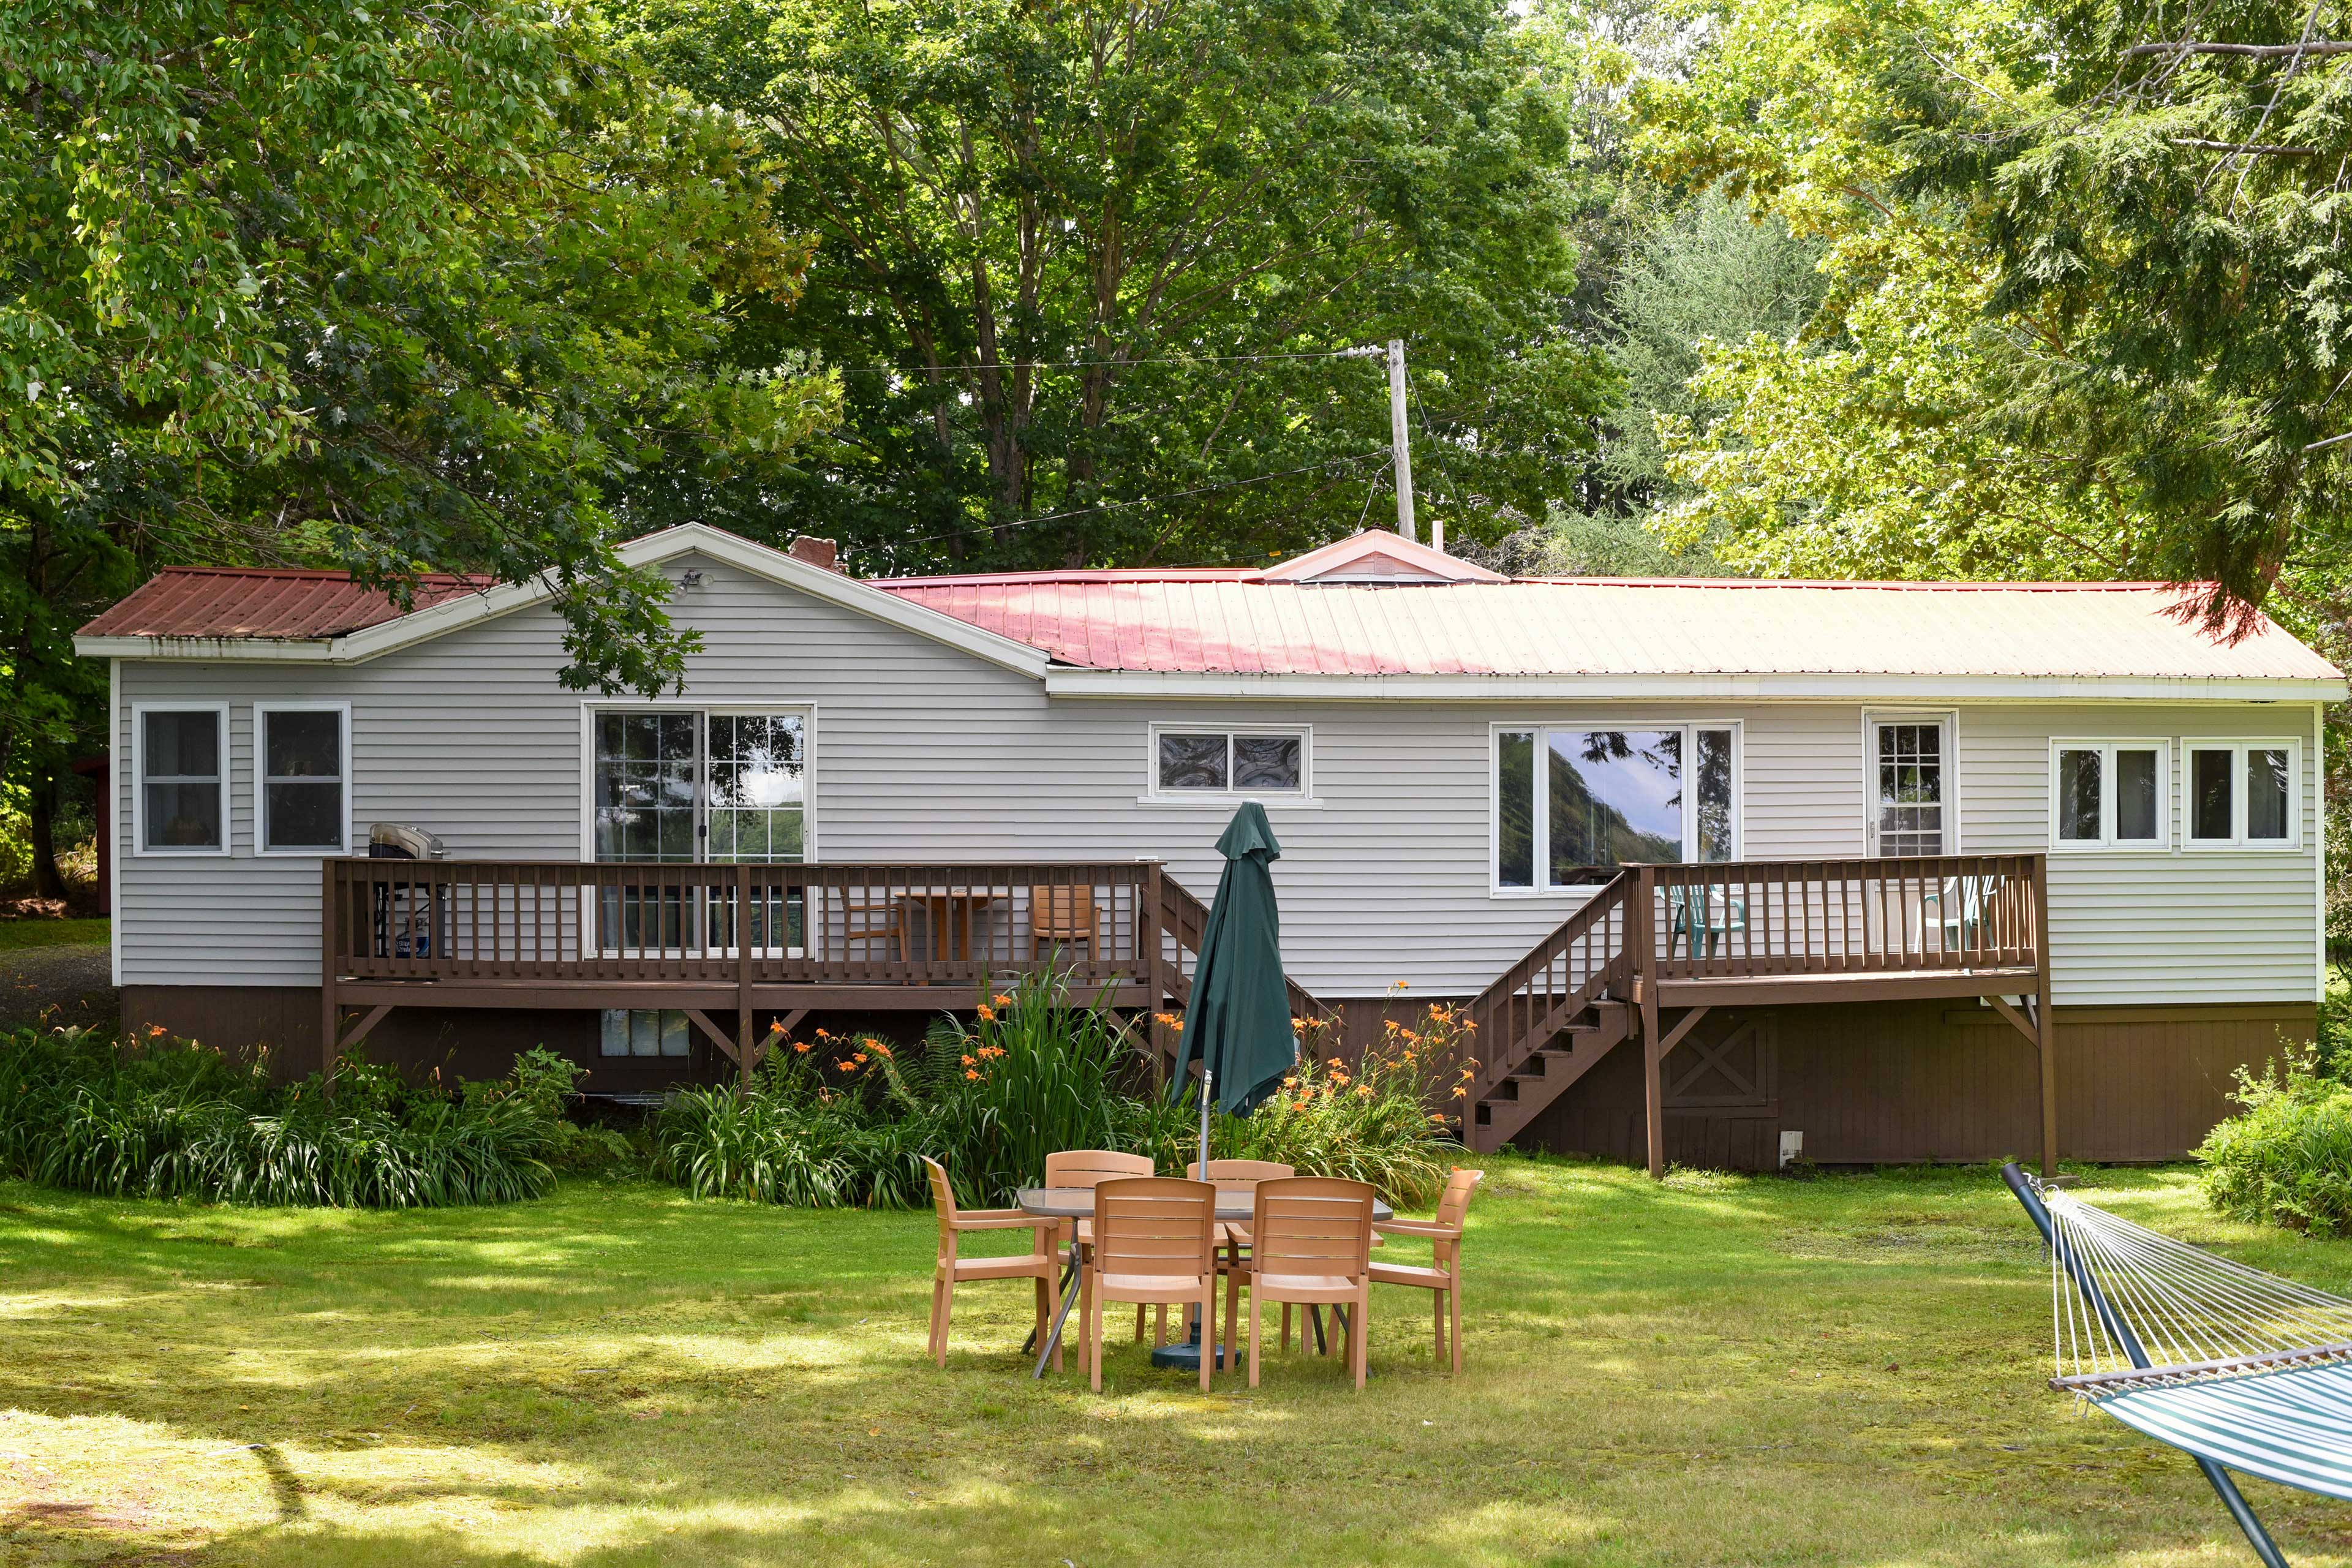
pixel 2243 1370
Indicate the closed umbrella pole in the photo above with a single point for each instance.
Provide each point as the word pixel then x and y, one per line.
pixel 1237 1026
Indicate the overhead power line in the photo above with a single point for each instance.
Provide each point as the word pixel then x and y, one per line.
pixel 919 371
pixel 1146 500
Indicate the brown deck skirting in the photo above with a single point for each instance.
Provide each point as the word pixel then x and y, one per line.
pixel 1903 1082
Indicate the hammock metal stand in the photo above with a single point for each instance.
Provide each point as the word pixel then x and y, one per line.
pixel 2085 1281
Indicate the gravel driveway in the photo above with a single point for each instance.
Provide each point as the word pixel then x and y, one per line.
pixel 73 980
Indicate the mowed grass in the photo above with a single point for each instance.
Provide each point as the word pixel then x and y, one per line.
pixel 19 934
pixel 1717 1370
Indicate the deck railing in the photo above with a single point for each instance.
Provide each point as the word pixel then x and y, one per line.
pixel 1760 919
pixel 865 924
pixel 1748 919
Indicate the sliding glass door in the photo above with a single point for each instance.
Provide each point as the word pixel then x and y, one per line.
pixel 694 785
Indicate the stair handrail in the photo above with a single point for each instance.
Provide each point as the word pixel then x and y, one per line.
pixel 1186 919
pixel 1508 1031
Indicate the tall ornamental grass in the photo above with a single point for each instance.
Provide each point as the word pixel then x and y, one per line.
pixel 843 1120
pixel 162 1118
pixel 2287 1158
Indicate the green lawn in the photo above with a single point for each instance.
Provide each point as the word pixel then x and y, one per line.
pixel 1842 1371
pixel 15 935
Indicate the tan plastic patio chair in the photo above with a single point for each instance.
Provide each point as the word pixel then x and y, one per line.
pixel 1445 1274
pixel 1155 1241
pixel 1311 1244
pixel 951 1270
pixel 1232 1177
pixel 1090 1168
pixel 1062 915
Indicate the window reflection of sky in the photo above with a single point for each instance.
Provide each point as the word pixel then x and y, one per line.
pixel 1644 784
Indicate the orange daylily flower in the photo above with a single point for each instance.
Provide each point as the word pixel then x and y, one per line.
pixel 987 1014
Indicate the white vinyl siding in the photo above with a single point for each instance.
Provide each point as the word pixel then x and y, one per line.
pixel 918 751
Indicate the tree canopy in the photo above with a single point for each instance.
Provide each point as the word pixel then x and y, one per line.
pixel 1087 270
pixel 397 288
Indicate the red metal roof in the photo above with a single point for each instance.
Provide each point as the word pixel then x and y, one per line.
pixel 1255 622
pixel 1176 624
pixel 232 601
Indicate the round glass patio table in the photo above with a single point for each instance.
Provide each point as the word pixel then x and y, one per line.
pixel 1235 1205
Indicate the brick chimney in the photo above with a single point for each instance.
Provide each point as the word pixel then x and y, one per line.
pixel 816 551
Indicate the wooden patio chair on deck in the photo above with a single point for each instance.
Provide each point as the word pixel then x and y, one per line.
pixel 1091 1168
pixel 1155 1241
pixel 952 1269
pixel 1311 1244
pixel 1062 915
pixel 869 920
pixel 1444 1276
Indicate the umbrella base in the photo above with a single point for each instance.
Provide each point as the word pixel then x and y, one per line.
pixel 1186 1354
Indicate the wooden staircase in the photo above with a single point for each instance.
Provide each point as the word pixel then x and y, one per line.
pixel 1549 1018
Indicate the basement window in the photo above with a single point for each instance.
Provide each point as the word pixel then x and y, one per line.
pixel 645 1032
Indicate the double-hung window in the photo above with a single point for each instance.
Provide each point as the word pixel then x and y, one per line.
pixel 181 755
pixel 1207 762
pixel 303 756
pixel 2242 794
pixel 2109 794
pixel 1574 800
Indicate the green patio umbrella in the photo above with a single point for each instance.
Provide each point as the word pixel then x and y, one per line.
pixel 1238 1025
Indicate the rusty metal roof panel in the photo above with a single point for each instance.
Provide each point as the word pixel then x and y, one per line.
pixel 212 602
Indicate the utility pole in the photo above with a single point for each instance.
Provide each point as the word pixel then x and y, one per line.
pixel 1401 439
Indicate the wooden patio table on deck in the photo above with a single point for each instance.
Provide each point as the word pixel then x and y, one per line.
pixel 946 915
pixel 1235 1205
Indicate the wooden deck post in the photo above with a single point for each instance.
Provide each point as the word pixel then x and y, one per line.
pixel 743 972
pixel 1643 928
pixel 2045 1024
pixel 1148 962
pixel 329 1025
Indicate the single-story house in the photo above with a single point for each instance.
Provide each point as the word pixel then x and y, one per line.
pixel 1725 871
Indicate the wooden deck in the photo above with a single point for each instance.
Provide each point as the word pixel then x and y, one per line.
pixel 1683 940
pixel 740 939
pixel 1645 958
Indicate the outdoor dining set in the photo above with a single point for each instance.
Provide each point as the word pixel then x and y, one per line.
pixel 1113 1230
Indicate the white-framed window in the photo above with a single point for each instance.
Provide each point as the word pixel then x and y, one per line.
pixel 697 783
pixel 1217 763
pixel 1914 789
pixel 301 778
pixel 1572 802
pixel 2242 794
pixel 180 757
pixel 2110 794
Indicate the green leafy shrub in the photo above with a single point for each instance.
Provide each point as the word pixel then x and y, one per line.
pixel 2287 1159
pixel 549 1083
pixel 836 1122
pixel 164 1119
pixel 1372 1123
